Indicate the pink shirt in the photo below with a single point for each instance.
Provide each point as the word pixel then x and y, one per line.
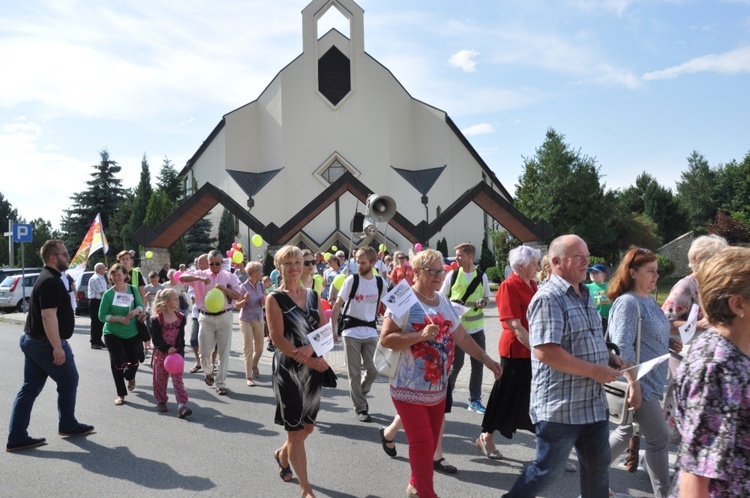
pixel 229 280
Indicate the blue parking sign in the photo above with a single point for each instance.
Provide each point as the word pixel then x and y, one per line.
pixel 21 232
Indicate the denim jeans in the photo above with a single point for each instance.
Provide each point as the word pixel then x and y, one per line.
pixel 475 379
pixel 553 444
pixel 38 365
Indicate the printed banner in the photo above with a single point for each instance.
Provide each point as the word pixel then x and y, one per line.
pixel 321 339
pixel 400 299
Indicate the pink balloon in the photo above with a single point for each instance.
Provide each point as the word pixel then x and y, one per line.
pixel 229 254
pixel 177 275
pixel 234 246
pixel 417 247
pixel 174 363
pixel 328 313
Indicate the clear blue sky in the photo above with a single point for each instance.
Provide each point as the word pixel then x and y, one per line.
pixel 636 84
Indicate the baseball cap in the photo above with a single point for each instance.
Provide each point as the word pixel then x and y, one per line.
pixel 598 267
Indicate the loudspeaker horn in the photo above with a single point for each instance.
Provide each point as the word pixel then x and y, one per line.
pixel 380 208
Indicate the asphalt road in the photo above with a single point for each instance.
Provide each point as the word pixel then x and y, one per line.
pixel 225 448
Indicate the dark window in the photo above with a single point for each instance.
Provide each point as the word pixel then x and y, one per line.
pixel 334 76
pixel 333 172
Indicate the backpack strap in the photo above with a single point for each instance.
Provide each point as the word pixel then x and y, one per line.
pixel 473 285
pixel 355 285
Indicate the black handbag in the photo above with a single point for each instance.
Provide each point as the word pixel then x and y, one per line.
pixel 143 333
pixel 329 378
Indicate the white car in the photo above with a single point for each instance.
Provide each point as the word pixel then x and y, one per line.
pixel 12 293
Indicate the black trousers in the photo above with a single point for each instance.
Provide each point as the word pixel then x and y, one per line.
pixel 96 325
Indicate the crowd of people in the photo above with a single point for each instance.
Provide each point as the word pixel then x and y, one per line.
pixel 562 340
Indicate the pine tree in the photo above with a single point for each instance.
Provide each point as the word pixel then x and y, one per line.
pixel 103 196
pixel 7 213
pixel 198 238
pixel 139 207
pixel 169 182
pixel 227 231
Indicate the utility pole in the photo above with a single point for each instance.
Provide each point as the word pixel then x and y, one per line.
pixel 9 234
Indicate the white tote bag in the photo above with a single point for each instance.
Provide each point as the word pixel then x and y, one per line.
pixel 386 360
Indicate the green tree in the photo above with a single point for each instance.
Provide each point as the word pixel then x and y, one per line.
pixel 198 238
pixel 103 196
pixel 562 186
pixel 139 207
pixel 732 188
pixel 227 231
pixel 695 192
pixel 7 213
pixel 169 182
pixel 662 208
pixel 631 199
pixel 503 243
pixel 442 246
pixel 639 230
pixel 159 208
pixel 486 258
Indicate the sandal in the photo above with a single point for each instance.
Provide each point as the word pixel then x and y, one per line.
pixel 446 468
pixel 221 391
pixel 209 380
pixel 196 368
pixel 482 447
pixel 391 452
pixel 284 472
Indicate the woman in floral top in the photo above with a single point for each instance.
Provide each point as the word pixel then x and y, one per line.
pixel 426 335
pixel 712 387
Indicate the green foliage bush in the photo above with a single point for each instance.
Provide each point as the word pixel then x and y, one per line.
pixel 494 274
pixel 665 266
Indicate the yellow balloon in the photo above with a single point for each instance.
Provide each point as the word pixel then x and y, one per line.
pixel 327 256
pixel 215 301
pixel 257 240
pixel 238 257
pixel 338 281
pixel 334 248
pixel 149 255
pixel 239 246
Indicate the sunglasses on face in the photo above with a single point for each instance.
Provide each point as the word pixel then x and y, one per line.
pixel 309 262
pixel 402 257
pixel 214 264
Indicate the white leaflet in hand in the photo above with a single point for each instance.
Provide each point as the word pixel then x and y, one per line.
pixel 459 308
pixel 321 339
pixel 647 366
pixel 400 299
pixel 687 331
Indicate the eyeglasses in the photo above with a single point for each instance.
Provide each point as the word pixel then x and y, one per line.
pixel 214 264
pixel 435 272
pixel 309 262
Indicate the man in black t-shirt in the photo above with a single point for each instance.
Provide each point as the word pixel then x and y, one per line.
pixel 49 325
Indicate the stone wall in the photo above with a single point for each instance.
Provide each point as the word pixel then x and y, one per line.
pixel 677 251
pixel 154 263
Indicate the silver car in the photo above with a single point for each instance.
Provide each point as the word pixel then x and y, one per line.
pixel 13 295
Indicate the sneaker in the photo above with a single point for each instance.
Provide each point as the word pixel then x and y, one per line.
pixel 161 407
pixel 476 406
pixel 96 346
pixel 29 443
pixel 81 430
pixel 183 411
pixel 364 417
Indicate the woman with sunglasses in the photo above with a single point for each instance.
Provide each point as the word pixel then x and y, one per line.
pixel 401 269
pixel 630 291
pixel 426 336
pixel 309 273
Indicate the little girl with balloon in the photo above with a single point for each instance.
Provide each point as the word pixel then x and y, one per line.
pixel 168 337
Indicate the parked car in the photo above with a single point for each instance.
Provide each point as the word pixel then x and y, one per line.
pixel 82 292
pixel 12 292
pixel 4 272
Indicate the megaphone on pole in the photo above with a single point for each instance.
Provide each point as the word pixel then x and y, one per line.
pixel 380 208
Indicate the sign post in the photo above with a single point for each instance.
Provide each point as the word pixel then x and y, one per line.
pixel 22 233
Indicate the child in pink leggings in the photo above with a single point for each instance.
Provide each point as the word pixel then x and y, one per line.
pixel 168 336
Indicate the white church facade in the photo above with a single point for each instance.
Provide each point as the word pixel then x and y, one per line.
pixel 333 127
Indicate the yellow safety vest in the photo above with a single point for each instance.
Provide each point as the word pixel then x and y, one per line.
pixel 472 319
